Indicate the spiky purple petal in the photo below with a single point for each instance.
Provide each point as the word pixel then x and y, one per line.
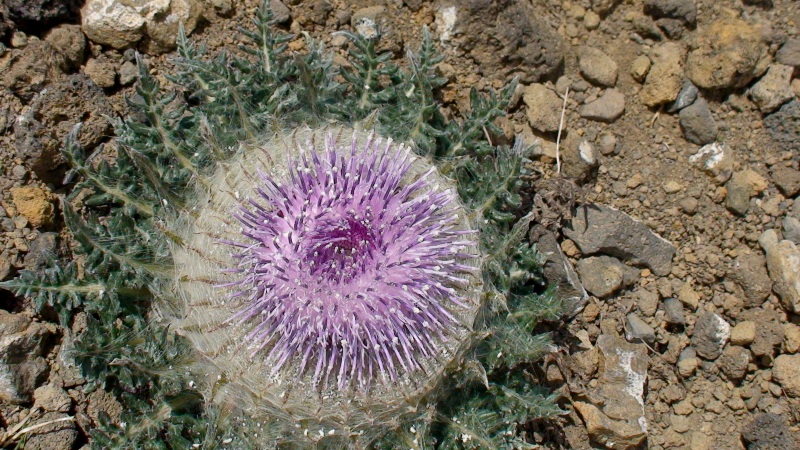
pixel 351 265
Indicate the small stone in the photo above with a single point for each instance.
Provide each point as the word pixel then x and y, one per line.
pixel 786 372
pixel 128 73
pixel 601 275
pixel 672 187
pixel 684 10
pixel 578 158
pixel 608 108
pixel 711 333
pixel 638 330
pixel 665 78
pixel 688 296
pixel 597 67
pixel 607 144
pixel 543 107
pixel 686 97
pixel 734 361
pixel 51 398
pixel 70 41
pixel 791 229
pixel 688 205
pixel 687 367
pixel 639 68
pixel 19 39
pixel 635 181
pixel 783 126
pixel 749 272
pixel 787 180
pixel 280 12
pixel 697 123
pixel 791 338
pixel 647 301
pixel 716 160
pixel 33 203
pixel 743 333
pixel 674 310
pixel 101 71
pixel 783 263
pixel 591 20
pixel 773 89
pixel 741 187
pixel 224 7
pixel 789 53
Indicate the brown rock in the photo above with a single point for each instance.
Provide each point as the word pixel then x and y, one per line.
pixel 101 71
pixel 749 272
pixel 52 115
pixel 543 107
pixel 728 53
pixel 34 203
pixel 70 41
pixel 665 78
pixel 27 71
pixel 783 262
pixel 608 432
pixel 786 372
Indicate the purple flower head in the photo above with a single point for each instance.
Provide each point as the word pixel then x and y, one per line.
pixel 353 265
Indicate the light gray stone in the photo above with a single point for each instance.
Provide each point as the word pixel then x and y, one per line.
pixel 608 108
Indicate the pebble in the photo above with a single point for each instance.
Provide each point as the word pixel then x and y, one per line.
pixel 647 302
pixel 543 107
pixel 601 275
pixel 773 89
pixel 783 262
pixel 791 338
pixel 639 68
pixel 591 20
pixel 638 330
pixel 688 296
pixel 697 123
pixel 786 371
pixel 687 367
pixel 671 187
pixel 734 361
pixel 608 108
pixel 597 67
pixel 19 39
pixel 101 71
pixel 607 144
pixel 711 333
pixel 789 53
pixel 128 73
pixel 674 310
pixel 665 78
pixel 791 229
pixel 787 180
pixel 743 333
pixel 689 205
pixel 686 97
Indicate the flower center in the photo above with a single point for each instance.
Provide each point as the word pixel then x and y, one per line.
pixel 340 248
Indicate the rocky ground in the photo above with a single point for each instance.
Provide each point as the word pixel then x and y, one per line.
pixel 680 146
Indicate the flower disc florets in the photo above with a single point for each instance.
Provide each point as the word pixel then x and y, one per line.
pixel 329 277
pixel 348 270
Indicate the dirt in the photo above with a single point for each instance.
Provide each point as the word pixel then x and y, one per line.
pixel 702 391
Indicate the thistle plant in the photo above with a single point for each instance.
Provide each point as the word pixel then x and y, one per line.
pixel 290 254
